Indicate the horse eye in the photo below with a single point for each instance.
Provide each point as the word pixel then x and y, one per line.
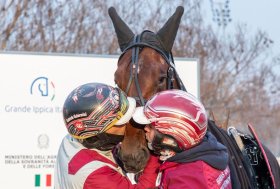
pixel 161 83
pixel 161 79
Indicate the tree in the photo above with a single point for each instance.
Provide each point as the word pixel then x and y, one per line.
pixel 238 77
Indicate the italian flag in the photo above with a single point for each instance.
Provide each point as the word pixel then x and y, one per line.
pixel 43 180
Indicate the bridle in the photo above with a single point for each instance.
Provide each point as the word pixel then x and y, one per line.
pixel 171 74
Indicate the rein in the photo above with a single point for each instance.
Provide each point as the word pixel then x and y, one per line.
pixel 171 72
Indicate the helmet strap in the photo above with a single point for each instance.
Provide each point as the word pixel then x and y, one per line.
pixel 163 143
pixel 166 153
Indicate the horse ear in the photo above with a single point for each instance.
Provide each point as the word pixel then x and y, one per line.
pixel 168 32
pixel 124 33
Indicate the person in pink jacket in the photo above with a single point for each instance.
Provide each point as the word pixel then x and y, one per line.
pixel 177 132
pixel 94 115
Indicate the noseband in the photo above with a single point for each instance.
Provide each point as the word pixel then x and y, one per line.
pixel 171 75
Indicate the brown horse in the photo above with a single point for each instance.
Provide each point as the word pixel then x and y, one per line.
pixel 145 56
pixel 145 67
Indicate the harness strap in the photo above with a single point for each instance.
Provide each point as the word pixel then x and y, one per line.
pixel 171 72
pixel 143 44
pixel 136 74
pixel 178 79
pixel 134 68
pixel 170 77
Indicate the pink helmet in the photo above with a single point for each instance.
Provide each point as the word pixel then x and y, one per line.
pixel 176 113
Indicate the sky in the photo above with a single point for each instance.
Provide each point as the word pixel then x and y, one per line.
pixel 257 14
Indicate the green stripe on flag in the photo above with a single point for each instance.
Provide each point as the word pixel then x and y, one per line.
pixel 37 180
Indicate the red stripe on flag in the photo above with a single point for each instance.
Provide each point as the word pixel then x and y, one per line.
pixel 48 180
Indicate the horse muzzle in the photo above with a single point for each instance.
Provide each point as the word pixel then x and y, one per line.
pixel 134 162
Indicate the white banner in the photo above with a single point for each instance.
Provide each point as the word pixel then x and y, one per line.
pixel 33 90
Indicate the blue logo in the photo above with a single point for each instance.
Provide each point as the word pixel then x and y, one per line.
pixel 43 87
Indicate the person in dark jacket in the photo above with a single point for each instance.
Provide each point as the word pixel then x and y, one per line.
pixel 177 132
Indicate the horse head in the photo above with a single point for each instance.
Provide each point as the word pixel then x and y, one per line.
pixel 145 67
